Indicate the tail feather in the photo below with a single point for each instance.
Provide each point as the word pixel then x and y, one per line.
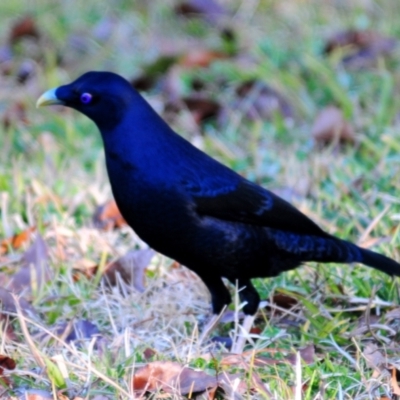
pixel 330 249
pixel 380 262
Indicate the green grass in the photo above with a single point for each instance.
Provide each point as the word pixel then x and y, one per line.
pixel 52 175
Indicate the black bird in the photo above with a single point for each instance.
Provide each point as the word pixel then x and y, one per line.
pixel 194 209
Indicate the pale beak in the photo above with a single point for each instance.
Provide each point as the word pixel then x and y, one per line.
pixel 48 98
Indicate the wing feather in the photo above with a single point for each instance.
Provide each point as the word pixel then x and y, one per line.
pixel 251 204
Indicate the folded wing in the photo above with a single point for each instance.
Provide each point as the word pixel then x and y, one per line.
pixel 251 204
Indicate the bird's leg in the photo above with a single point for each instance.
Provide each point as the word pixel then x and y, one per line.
pixel 220 298
pixel 249 295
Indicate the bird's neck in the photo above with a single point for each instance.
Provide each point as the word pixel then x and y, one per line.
pixel 141 136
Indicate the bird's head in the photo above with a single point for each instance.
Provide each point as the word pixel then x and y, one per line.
pixel 101 96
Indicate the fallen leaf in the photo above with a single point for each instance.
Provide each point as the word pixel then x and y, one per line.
pixel 149 353
pixel 171 377
pixel 360 49
pixel 131 268
pixel 6 363
pixel 200 58
pixel 201 108
pixel 25 27
pixel 108 216
pixel 284 301
pixel 16 241
pixel 331 127
pixel 35 270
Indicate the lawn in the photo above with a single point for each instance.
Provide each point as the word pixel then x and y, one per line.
pixel 301 97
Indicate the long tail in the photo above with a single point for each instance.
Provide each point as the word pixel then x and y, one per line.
pixel 379 261
pixel 349 252
pixel 331 249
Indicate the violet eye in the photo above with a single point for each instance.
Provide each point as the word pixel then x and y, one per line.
pixel 86 98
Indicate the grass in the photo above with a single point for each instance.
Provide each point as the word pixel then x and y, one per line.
pixel 52 175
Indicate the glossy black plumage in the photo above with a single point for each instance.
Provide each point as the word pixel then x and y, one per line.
pixel 193 209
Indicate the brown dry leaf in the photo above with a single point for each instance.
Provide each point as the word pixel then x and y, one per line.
pixel 6 363
pixel 210 10
pixel 16 241
pixel 108 216
pixel 35 270
pixel 149 353
pixel 201 108
pixel 131 268
pixel 200 58
pixel 171 377
pixel 331 127
pixel 360 48
pixel 25 27
pixel 284 301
